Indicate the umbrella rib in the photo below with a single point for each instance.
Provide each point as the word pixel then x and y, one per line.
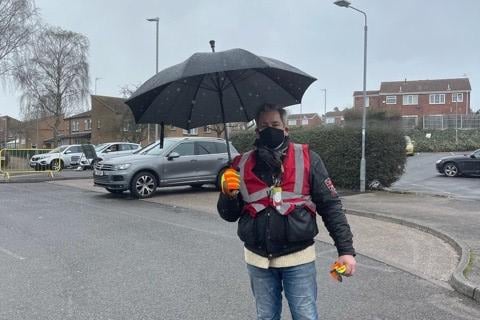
pixel 238 95
pixel 193 103
pixel 239 79
pixel 266 75
pixel 194 86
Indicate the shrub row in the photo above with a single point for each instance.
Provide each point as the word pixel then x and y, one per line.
pixel 340 149
pixel 444 140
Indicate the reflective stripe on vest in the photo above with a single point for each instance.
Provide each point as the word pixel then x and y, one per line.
pixel 259 199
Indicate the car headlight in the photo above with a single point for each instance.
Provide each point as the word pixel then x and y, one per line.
pixel 438 161
pixel 122 166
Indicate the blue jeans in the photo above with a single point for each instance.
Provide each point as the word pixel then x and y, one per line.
pixel 299 283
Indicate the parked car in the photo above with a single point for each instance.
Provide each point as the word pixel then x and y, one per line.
pixel 181 161
pixel 453 166
pixel 409 146
pixel 58 158
pixel 115 149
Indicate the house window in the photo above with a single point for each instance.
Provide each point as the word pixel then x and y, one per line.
pixel 191 132
pixel 207 129
pixel 75 126
pixel 457 97
pixel 98 124
pixel 411 99
pixel 409 122
pixel 330 120
pixel 292 122
pixel 391 100
pixel 304 122
pixel 437 98
pixel 88 124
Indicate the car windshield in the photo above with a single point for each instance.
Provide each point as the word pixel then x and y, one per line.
pixel 148 146
pixel 58 149
pixel 100 147
pixel 155 148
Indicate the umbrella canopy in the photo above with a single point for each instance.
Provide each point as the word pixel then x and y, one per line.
pixel 232 83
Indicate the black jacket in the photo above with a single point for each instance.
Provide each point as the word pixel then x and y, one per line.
pixel 271 234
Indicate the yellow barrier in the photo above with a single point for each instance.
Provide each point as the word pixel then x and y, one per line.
pixel 29 161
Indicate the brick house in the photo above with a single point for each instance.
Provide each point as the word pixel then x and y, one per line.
pixel 419 98
pixel 335 117
pixel 304 119
pixel 11 132
pixel 79 128
pixel 112 120
pixel 39 132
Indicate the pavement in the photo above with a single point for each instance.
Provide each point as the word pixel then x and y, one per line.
pixel 435 238
pixel 432 236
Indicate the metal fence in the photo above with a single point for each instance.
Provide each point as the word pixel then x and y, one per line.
pixel 443 122
pixel 25 161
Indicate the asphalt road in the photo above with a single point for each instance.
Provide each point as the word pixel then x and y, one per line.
pixel 421 176
pixel 72 254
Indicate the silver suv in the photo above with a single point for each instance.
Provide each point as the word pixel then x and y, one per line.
pixel 58 158
pixel 181 161
pixel 115 149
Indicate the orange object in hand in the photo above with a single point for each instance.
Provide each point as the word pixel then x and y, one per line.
pixel 230 182
pixel 337 270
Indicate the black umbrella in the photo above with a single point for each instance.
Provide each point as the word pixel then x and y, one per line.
pixel 217 87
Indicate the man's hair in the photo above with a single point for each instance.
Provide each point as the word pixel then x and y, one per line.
pixel 272 107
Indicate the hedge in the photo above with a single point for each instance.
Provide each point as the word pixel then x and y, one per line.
pixel 340 149
pixel 444 140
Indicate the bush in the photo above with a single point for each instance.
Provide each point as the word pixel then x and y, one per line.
pixel 340 149
pixel 444 140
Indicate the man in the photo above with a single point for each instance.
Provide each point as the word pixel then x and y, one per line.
pixel 274 197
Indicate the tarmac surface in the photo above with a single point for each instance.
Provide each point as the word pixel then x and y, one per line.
pixel 419 248
pixel 434 237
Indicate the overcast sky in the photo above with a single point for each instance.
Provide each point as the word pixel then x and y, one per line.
pixel 412 39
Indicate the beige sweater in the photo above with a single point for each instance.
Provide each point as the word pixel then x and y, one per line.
pixel 294 259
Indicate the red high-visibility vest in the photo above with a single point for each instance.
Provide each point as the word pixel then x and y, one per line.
pixel 295 182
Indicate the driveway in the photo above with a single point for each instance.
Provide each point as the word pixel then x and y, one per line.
pixel 75 254
pixel 421 176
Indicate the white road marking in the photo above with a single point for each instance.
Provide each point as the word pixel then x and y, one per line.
pixel 11 254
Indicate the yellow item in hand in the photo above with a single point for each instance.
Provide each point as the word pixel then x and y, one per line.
pixel 230 182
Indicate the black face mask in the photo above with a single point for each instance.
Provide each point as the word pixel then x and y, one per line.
pixel 272 137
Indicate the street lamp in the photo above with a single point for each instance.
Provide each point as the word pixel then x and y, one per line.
pixel 346 4
pixel 325 102
pixel 156 20
pixel 96 79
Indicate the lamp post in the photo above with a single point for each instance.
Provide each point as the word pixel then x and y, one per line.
pixel 156 20
pixel 456 121
pixel 96 79
pixel 325 103
pixel 346 4
pixel 5 129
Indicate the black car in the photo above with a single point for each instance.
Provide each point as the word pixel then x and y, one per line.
pixel 460 164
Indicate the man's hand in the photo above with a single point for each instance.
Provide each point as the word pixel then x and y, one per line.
pixel 230 182
pixel 349 262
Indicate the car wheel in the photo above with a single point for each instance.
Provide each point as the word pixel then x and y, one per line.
pixel 143 185
pixel 114 191
pixel 450 169
pixel 56 165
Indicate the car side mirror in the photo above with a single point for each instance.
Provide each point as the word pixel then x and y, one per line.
pixel 68 151
pixel 173 155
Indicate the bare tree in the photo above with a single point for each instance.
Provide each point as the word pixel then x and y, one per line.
pixel 54 75
pixel 18 21
pixel 131 131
